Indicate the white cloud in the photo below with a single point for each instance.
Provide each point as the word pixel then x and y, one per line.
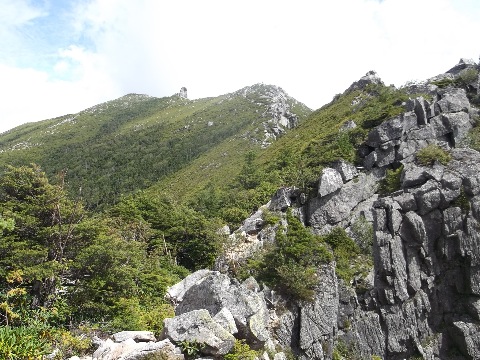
pixel 313 49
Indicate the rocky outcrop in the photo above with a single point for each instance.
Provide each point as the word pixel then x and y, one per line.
pixel 134 345
pixel 445 122
pixel 421 299
pixel 324 212
pixel 370 77
pixel 281 118
pixel 197 326
pixel 210 308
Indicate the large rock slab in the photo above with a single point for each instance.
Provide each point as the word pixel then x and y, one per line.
pixel 217 291
pixel 137 336
pixel 318 320
pixel 467 337
pixel 198 326
pixel 453 100
pixel 333 209
pixel 131 350
pixel 176 292
pixel 330 181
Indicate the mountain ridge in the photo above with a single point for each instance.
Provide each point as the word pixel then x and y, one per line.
pixel 184 129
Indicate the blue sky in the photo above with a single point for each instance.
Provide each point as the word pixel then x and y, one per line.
pixel 61 56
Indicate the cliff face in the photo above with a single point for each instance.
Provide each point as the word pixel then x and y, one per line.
pixel 423 298
pixel 419 190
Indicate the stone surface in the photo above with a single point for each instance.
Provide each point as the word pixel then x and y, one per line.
pixel 131 350
pixel 175 293
pixel 217 291
pixel 137 336
pixel 225 319
pixel 453 100
pixel 346 170
pixel 332 210
pixel 370 77
pixel 198 326
pixel 330 181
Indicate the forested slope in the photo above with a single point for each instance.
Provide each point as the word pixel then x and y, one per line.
pixel 130 143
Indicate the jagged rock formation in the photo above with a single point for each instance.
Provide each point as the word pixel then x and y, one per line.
pixel 183 93
pixel 370 77
pixel 278 111
pixel 422 296
pixel 210 308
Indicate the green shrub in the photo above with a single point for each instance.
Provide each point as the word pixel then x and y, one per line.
pixel 269 218
pixel 346 253
pixel 363 233
pixel 462 201
pixel 468 76
pixel 191 349
pixel 463 79
pixel 70 344
pixel 473 138
pixel 297 280
pixel 131 315
pixel 431 153
pixel 158 355
pixel 445 82
pixel 391 182
pixel 474 99
pixel 22 343
pixel 241 351
pixel 290 265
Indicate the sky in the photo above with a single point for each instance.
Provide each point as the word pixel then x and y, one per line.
pixel 59 57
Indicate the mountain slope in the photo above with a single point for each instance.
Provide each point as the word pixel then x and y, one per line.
pixel 132 142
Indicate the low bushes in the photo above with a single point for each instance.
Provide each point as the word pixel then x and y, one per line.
pixel 431 153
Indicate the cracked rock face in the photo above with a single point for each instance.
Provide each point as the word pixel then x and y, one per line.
pixel 422 296
pixel 224 300
pixel 198 326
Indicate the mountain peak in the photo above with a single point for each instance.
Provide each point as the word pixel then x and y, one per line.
pixel 370 77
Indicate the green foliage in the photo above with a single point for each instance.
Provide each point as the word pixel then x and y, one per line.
pixel 191 349
pixel 392 181
pixel 468 76
pixel 474 99
pixel 6 224
pixel 346 253
pixel 269 218
pixel 296 280
pixel 106 268
pixel 345 351
pixel 291 264
pixel 241 351
pixel 473 137
pixel 445 82
pixel 363 233
pixel 462 201
pixel 386 103
pixel 44 236
pixel 463 79
pixel 70 344
pixel 130 314
pixel 131 143
pixel 158 355
pixel 431 153
pixel 249 177
pixel 22 343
